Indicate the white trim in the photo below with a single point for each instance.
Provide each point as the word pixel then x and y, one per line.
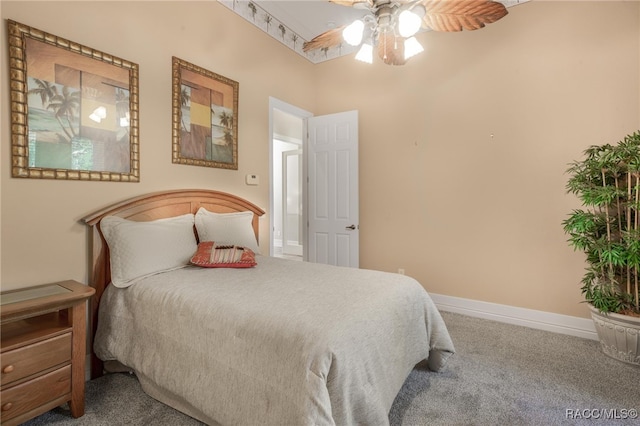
pixel 287 139
pixel 541 320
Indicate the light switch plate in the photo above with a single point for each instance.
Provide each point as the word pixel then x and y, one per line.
pixel 252 179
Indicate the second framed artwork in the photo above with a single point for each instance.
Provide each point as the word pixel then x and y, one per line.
pixel 205 117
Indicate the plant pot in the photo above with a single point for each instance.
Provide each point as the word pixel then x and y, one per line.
pixel 619 335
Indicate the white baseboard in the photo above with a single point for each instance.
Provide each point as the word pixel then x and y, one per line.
pixel 541 320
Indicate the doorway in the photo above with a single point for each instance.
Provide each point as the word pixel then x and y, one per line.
pixel 314 185
pixel 287 128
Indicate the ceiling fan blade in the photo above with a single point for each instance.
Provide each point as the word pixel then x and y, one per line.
pixel 456 15
pixel 327 39
pixel 391 49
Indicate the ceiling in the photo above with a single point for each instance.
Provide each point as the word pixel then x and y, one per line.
pixel 309 18
pixel 292 22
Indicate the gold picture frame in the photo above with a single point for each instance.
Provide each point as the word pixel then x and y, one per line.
pixel 205 117
pixel 74 109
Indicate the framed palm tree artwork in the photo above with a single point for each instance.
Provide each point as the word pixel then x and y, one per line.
pixel 205 117
pixel 74 109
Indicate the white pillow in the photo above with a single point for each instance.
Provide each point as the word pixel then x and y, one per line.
pixel 140 249
pixel 227 228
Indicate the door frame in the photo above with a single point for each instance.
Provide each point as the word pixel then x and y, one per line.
pixel 275 103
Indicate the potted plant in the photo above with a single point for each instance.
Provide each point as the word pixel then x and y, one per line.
pixel 607 230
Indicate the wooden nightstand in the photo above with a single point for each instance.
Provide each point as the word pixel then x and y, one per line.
pixel 42 350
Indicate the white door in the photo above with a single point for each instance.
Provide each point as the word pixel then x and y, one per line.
pixel 332 161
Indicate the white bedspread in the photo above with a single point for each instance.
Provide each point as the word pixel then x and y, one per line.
pixel 284 343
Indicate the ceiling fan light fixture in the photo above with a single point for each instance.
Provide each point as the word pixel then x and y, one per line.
pixel 389 26
pixel 412 47
pixel 353 32
pixel 365 54
pixel 409 23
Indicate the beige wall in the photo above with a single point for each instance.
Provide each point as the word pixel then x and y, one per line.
pixel 42 239
pixel 462 151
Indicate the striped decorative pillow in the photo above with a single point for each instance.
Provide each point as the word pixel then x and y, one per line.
pixel 210 255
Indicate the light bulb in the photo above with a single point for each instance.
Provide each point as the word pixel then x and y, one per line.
pixel 365 54
pixel 408 23
pixel 352 33
pixel 412 47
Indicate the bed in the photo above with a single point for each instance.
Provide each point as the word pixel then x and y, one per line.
pixel 279 343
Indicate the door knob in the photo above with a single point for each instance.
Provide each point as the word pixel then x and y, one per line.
pixel 352 227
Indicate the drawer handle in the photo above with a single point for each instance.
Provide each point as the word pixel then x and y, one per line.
pixel 7 369
pixel 7 406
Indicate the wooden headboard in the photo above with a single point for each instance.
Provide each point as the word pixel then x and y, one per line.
pixel 157 205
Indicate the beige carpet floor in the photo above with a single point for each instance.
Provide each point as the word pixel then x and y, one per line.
pixel 501 375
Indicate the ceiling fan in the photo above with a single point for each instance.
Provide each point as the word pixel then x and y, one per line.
pixel 390 25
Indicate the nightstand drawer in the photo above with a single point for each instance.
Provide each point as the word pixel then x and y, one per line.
pixel 31 359
pixel 34 393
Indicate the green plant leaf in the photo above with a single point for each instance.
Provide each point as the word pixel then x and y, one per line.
pixel 607 181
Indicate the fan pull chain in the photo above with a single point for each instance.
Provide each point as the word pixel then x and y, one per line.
pixel 384 41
